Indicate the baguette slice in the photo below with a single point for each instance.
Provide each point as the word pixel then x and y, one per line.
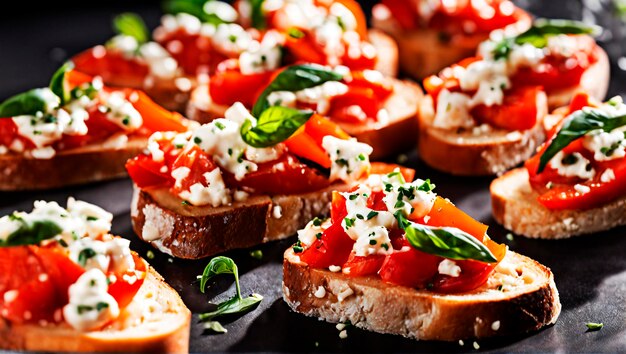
pixel 424 52
pixel 155 321
pixel 87 164
pixel 388 138
pixel 527 302
pixel 193 232
pixel 470 154
pixel 594 81
pixel 514 205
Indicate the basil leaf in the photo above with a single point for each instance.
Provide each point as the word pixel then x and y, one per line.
pixel 131 24
pixel 215 327
pixel 58 84
pixel 219 265
pixel 577 125
pixel 294 78
pixel 31 233
pixel 232 306
pixel 448 242
pixel 29 103
pixel 538 34
pixel 256 14
pixel 196 8
pixel 276 124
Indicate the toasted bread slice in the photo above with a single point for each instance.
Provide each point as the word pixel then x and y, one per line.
pixel 514 205
pixel 528 300
pixel 424 52
pixel 155 321
pixel 392 136
pixel 387 51
pixel 91 163
pixel 595 82
pixel 469 154
pixel 187 231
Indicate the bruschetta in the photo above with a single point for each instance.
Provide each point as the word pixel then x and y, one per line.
pixel 396 258
pixel 377 110
pixel 432 35
pixel 193 42
pixel 76 131
pixel 68 285
pixel 484 115
pixel 575 184
pixel 241 180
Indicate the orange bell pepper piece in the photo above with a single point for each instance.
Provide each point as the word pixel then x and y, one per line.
pixel 303 145
pixel 444 213
pixel 317 127
pixel 155 117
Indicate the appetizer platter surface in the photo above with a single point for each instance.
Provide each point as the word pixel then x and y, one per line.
pixel 282 126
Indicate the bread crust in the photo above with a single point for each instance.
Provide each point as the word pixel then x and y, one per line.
pixel 420 314
pixel 514 205
pixel 386 50
pixel 193 232
pixel 167 332
pixel 390 137
pixel 422 51
pixel 91 163
pixel 469 154
pixel 594 81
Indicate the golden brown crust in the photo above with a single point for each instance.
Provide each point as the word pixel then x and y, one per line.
pixel 469 154
pixel 187 231
pixel 387 308
pixel 393 136
pixel 167 331
pixel 595 82
pixel 515 206
pixel 87 164
pixel 422 52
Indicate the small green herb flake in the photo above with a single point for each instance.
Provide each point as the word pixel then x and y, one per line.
pixel 257 254
pixel 92 218
pixel 593 326
pixel 372 214
pixel 184 202
pixel 215 327
pixel 150 254
pixel 317 221
pixel 509 236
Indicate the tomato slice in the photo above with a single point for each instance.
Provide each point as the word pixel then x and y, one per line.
pixel 114 68
pixel 444 213
pixel 126 285
pixel 145 172
pixel 198 162
pixel 355 106
pixel 286 175
pixel 473 275
pixel 304 50
pixel 229 85
pixel 338 210
pixel 333 248
pixel 411 268
pixel 361 266
pixel 518 110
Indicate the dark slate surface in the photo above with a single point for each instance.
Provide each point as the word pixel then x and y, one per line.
pixel 590 271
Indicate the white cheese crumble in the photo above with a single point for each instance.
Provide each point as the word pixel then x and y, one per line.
pixel 582 189
pixel 349 158
pixel 320 292
pixel 495 325
pixel 449 267
pixel 334 268
pixel 313 230
pixel 120 111
pixel 607 176
pixel 573 165
pixel 264 56
pixel 90 305
pixel 231 39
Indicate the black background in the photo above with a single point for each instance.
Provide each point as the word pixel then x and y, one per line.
pixel 590 271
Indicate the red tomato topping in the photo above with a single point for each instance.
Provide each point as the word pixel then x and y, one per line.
pixel 410 268
pixel 229 85
pixel 518 111
pixel 333 248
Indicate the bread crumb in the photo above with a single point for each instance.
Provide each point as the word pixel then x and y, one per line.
pixel 277 212
pixel 320 292
pixel 345 294
pixel 334 268
pixel 343 334
pixel 461 343
pixel 476 346
pixel 340 326
pixel 495 326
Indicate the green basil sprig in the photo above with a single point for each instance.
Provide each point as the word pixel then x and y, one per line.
pixel 234 305
pixel 58 84
pixel 276 124
pixel 27 103
pixel 448 242
pixel 31 233
pixel 577 125
pixel 294 78
pixel 256 14
pixel 131 24
pixel 538 35
pixel 196 8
